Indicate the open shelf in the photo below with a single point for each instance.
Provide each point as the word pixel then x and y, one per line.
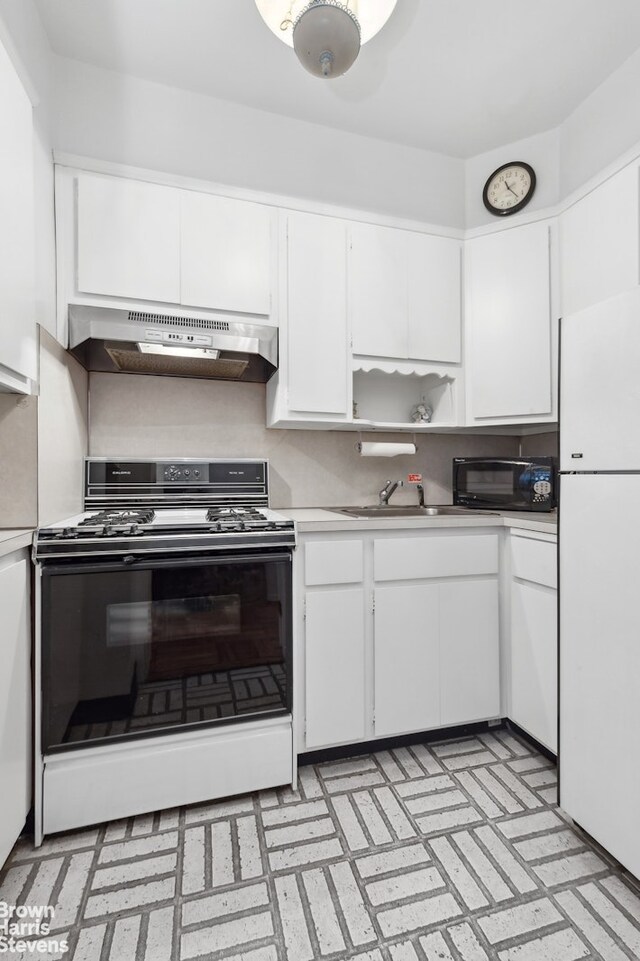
pixel 384 399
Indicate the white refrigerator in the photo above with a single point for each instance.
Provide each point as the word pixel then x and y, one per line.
pixel 599 567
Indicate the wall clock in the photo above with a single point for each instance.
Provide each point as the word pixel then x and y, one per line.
pixel 509 188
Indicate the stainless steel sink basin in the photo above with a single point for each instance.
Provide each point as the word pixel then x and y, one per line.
pixel 395 510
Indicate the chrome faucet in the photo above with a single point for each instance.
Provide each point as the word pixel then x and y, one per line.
pixel 420 489
pixel 387 491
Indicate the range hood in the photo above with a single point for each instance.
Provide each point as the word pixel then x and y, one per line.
pixel 140 342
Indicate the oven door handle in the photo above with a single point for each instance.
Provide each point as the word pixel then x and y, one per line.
pixel 147 561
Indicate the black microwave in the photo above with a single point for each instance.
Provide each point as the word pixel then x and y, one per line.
pixel 506 484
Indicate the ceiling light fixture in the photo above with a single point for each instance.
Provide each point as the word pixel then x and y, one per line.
pixel 325 34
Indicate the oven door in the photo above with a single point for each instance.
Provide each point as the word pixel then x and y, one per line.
pixel 139 646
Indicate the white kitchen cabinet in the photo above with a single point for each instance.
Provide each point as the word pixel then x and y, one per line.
pixel 15 698
pixel 448 628
pixel 404 294
pixel 510 329
pixel 334 667
pixel 334 627
pixel 400 633
pixel 406 657
pixel 18 336
pixel 378 291
pixel 316 315
pixel 533 636
pixel 128 239
pixel 600 242
pixel 469 651
pixel 225 253
pixel 434 293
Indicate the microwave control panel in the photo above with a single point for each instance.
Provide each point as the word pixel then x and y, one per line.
pixel 541 485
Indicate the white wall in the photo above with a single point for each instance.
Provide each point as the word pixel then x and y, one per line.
pixel 144 416
pixel 110 116
pixel 63 425
pixel 603 127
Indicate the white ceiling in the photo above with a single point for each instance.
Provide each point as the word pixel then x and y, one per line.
pixel 455 76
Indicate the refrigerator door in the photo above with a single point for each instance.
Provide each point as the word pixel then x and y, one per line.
pixel 600 659
pixel 600 386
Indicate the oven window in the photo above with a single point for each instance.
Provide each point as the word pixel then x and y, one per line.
pixel 133 650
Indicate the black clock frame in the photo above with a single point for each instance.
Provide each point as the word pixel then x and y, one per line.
pixel 522 203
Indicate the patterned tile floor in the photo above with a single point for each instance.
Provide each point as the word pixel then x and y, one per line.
pixel 448 852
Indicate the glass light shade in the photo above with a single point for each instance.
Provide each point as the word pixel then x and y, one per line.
pixel 326 39
pixel 280 16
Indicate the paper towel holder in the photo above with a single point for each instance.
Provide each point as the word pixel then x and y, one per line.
pixel 358 445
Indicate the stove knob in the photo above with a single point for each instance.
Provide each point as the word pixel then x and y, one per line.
pixel 196 473
pixel 187 472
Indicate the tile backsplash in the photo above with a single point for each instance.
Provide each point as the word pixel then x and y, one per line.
pixel 144 416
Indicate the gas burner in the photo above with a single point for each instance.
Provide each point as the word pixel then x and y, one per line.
pixel 234 514
pixel 116 517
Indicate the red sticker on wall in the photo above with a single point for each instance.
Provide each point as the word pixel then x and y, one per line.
pixel 414 478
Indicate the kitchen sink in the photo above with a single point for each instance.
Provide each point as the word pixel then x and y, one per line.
pixel 395 510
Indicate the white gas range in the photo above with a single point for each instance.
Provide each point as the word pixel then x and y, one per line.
pixel 164 641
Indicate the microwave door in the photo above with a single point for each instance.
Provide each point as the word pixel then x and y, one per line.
pixel 491 484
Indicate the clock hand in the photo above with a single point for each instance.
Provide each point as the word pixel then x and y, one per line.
pixel 509 188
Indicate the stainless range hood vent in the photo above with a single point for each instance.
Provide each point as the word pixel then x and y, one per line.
pixel 170 320
pixel 145 342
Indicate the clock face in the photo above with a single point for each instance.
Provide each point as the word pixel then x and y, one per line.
pixel 509 188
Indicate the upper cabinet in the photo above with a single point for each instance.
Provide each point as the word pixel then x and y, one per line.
pixel 123 240
pixel 313 379
pixel 18 336
pixel 404 294
pixel 600 242
pixel 510 327
pixel 128 239
pixel 225 248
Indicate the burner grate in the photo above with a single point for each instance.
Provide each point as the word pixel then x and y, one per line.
pixel 144 516
pixel 234 513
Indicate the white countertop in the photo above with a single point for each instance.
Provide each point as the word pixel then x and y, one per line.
pixel 310 519
pixel 14 539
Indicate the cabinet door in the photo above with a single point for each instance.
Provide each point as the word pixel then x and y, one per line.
pixel 128 239
pixel 318 368
pixel 334 667
pixel 509 318
pixel 18 350
pixel 378 291
pixel 15 701
pixel 433 267
pixel 534 661
pixel 469 651
pixel 225 253
pixel 406 668
pixel 599 241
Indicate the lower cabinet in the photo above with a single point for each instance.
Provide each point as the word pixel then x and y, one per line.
pixel 15 698
pixel 406 658
pixel 334 666
pixel 533 637
pixel 400 633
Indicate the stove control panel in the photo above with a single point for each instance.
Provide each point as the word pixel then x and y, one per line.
pixel 185 473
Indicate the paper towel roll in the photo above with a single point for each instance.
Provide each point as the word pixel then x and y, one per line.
pixel 377 449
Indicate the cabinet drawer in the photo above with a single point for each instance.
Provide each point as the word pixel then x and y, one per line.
pixel 405 558
pixel 534 560
pixel 334 562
